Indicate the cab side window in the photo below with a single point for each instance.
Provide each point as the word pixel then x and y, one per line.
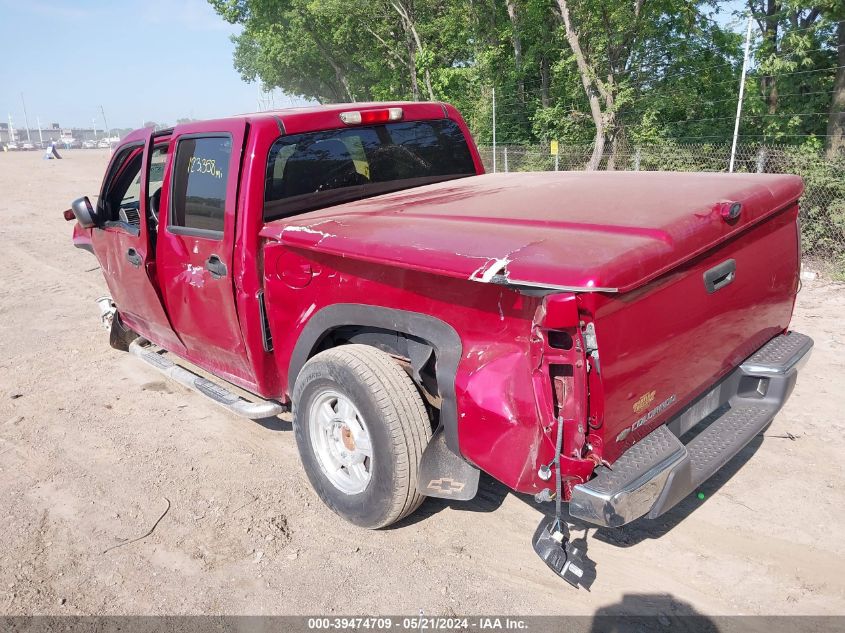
pixel 120 202
pixel 200 174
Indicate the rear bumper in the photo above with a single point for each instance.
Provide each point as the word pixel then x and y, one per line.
pixel 659 471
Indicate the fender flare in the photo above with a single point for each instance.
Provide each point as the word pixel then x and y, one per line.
pixel 442 337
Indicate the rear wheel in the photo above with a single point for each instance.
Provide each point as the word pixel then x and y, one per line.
pixel 361 428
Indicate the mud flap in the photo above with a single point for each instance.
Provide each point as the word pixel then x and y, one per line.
pixel 563 556
pixel 446 475
pixel 120 336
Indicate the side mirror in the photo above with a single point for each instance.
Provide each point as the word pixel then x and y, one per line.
pixel 84 212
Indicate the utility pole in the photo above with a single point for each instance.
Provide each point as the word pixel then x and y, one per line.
pixel 494 130
pixel 105 121
pixel 741 93
pixel 26 119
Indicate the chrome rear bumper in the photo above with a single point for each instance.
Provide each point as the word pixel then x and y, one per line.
pixel 659 471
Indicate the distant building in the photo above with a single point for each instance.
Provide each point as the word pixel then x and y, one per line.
pixel 55 133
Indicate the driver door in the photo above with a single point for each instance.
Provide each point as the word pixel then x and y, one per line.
pixel 124 241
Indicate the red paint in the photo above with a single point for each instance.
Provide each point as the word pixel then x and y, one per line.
pixel 202 307
pixel 135 289
pixel 559 228
pixel 433 249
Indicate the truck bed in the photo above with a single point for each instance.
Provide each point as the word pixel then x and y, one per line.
pixel 613 231
pixel 639 248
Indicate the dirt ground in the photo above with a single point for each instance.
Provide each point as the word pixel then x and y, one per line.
pixel 94 446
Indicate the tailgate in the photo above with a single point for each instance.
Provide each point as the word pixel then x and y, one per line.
pixel 662 345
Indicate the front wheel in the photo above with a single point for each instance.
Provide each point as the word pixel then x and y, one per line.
pixel 361 428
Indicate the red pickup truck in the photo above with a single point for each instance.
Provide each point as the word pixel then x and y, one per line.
pixel 606 339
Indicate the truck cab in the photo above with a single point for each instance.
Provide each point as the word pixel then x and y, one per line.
pixel 180 212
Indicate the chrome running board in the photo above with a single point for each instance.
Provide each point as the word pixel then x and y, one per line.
pixel 154 357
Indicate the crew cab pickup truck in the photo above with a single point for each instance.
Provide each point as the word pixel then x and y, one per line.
pixel 605 339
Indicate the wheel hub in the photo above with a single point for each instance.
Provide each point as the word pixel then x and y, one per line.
pixel 346 437
pixel 341 441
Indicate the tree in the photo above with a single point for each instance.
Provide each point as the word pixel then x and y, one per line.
pixel 605 72
pixel 600 92
pixel 836 118
pixel 516 38
pixel 346 50
pixel 626 50
pixel 405 10
pixel 801 82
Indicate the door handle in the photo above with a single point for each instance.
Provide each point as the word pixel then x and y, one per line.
pixel 720 276
pixel 133 257
pixel 215 266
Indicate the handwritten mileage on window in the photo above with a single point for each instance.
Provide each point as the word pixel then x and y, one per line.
pixel 199 165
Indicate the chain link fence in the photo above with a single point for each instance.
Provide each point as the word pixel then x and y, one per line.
pixel 822 205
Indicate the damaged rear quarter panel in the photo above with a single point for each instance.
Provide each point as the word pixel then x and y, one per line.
pixel 500 427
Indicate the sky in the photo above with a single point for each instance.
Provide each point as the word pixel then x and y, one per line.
pixel 142 60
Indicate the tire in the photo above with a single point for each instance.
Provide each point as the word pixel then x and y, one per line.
pixel 387 413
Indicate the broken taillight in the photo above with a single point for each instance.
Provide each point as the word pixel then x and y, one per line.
pixel 364 117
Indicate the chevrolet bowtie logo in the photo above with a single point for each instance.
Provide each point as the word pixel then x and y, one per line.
pixel 446 485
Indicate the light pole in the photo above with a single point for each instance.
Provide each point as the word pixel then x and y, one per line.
pixel 26 119
pixel 741 93
pixel 108 129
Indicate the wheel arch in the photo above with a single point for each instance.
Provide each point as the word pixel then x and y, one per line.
pixel 375 320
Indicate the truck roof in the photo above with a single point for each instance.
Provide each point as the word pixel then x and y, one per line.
pixel 296 120
pixel 337 107
pixel 326 117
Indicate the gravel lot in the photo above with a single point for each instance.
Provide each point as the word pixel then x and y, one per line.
pixel 94 446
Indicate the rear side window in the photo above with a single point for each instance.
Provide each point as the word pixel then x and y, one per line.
pixel 200 174
pixel 317 169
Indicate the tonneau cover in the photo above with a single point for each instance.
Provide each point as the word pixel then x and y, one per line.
pixel 601 231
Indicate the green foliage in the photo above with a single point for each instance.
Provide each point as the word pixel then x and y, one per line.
pixel 823 203
pixel 671 67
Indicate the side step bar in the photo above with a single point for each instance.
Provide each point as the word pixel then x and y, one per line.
pixel 227 399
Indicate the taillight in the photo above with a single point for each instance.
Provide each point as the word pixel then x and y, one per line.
pixel 364 117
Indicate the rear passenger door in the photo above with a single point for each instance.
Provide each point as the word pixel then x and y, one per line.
pixel 196 245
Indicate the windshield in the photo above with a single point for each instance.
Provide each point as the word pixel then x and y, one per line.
pixel 319 169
